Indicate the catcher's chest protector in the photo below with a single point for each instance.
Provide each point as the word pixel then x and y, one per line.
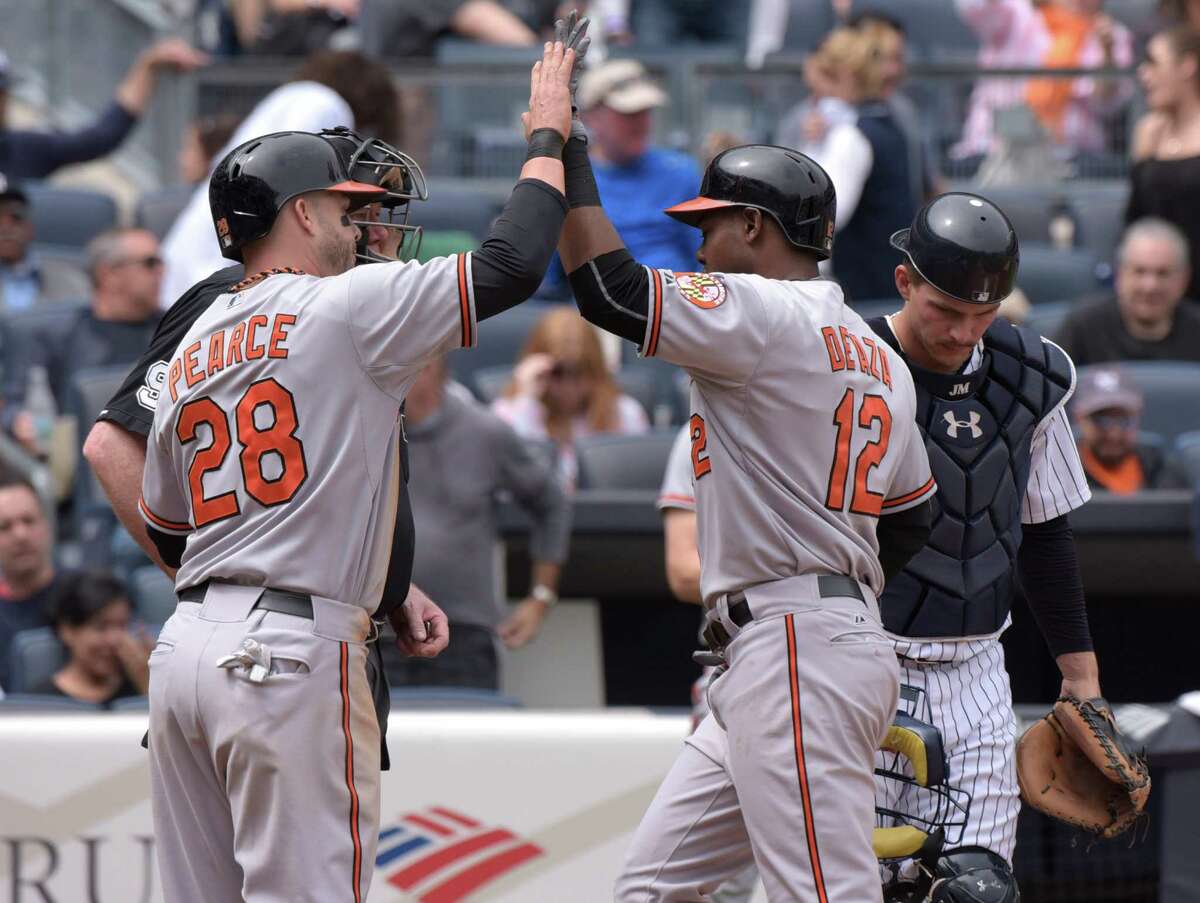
pixel 978 429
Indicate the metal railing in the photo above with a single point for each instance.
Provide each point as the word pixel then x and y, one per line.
pixel 462 120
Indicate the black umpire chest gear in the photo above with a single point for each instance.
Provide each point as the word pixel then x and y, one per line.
pixel 978 430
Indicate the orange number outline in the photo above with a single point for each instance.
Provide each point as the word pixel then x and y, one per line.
pixel 224 505
pixel 873 410
pixel 701 463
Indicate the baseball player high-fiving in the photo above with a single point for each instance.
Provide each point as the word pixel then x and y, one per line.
pixel 806 475
pixel 271 478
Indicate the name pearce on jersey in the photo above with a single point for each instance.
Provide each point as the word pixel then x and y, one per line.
pixel 250 340
pixel 845 348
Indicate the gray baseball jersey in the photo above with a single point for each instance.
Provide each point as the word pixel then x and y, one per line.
pixel 806 416
pixel 275 440
pixel 677 490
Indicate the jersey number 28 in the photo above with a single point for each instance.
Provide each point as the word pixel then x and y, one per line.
pixel 277 439
pixel 873 410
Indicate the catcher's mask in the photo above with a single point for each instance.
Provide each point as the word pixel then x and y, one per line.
pixel 919 812
pixel 376 162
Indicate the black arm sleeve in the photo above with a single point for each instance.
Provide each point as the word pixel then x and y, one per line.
pixel 902 535
pixel 512 262
pixel 612 292
pixel 1049 572
pixel 169 546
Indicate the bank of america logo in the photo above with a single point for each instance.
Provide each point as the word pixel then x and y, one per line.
pixel 441 856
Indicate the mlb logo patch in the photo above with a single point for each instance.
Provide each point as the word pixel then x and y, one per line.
pixel 438 855
pixel 983 297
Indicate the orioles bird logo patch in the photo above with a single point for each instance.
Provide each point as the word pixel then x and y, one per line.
pixel 701 289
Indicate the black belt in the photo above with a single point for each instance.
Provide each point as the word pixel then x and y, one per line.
pixel 280 600
pixel 829 586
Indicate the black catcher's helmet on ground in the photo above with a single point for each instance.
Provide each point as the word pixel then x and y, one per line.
pixel 796 192
pixel 964 246
pixel 252 183
pixel 378 163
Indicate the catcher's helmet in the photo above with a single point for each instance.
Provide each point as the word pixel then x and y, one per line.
pixel 964 246
pixel 252 183
pixel 376 162
pixel 794 190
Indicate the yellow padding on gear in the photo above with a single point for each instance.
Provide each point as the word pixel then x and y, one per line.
pixel 897 843
pixel 910 745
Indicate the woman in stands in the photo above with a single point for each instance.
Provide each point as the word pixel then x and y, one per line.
pixel 866 154
pixel 1165 179
pixel 562 390
pixel 105 660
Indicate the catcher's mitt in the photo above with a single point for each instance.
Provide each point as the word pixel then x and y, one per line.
pixel 1076 766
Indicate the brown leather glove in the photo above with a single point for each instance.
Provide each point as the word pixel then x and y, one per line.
pixel 1077 767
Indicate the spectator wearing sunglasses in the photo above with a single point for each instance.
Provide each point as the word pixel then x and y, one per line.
pixel 126 268
pixel 26 279
pixel 561 390
pixel 1107 410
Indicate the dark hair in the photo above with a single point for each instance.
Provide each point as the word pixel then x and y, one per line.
pixel 366 86
pixel 10 478
pixel 1184 40
pixel 877 17
pixel 214 132
pixel 80 596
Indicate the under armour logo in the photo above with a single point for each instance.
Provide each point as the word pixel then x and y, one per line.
pixel 972 423
pixel 960 389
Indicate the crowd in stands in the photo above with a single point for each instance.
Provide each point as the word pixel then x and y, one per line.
pixel 512 428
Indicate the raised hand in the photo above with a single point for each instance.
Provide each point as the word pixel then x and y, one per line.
pixel 549 91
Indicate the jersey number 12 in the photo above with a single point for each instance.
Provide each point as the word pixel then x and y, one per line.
pixel 873 410
pixel 278 440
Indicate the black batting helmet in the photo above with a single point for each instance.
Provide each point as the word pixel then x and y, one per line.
pixel 252 183
pixel 794 190
pixel 964 246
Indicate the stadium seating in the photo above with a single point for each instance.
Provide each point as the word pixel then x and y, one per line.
pixel 35 656
pixel 132 704
pixel 158 210
pixel 458 205
pixel 425 698
pixel 89 391
pixel 1187 446
pixel 1047 274
pixel 624 462
pixel 69 216
pixel 152 593
pixel 1170 395
pixel 22 703
pixel 500 340
pixel 1046 319
pixel 1099 209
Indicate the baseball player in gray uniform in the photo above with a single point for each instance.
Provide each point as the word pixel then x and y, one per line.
pixel 677 502
pixel 990 403
pixel 806 475
pixel 271 479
